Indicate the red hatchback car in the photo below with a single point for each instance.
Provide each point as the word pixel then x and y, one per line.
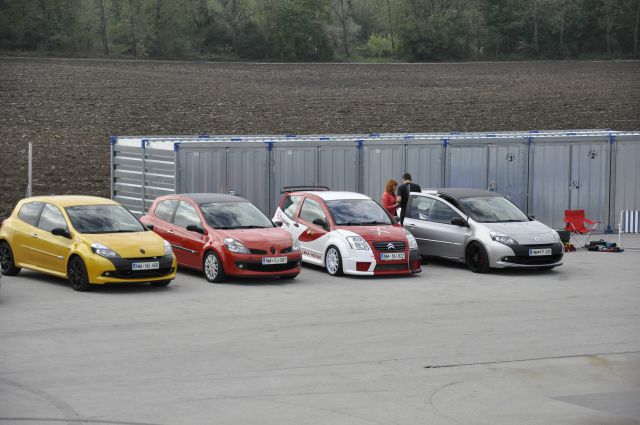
pixel 223 235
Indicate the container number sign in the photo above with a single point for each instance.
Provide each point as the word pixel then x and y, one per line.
pixel 510 157
pixel 592 154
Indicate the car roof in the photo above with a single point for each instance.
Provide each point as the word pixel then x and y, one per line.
pixel 461 193
pixel 209 198
pixel 331 195
pixel 71 200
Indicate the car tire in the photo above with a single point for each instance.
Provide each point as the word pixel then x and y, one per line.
pixel 159 283
pixel 333 261
pixel 212 268
pixel 7 264
pixel 476 258
pixel 78 275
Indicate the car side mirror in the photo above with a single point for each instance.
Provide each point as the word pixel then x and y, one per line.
pixel 394 219
pixel 320 222
pixel 457 221
pixel 59 231
pixel 149 226
pixel 278 223
pixel 531 217
pixel 194 228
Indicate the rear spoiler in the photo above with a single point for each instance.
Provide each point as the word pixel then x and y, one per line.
pixel 287 189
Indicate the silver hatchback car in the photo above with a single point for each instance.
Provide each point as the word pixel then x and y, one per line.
pixel 482 229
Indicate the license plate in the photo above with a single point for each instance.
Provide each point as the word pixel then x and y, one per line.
pixel 389 256
pixel 146 266
pixel 543 251
pixel 273 260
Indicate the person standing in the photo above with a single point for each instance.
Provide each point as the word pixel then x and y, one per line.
pixel 389 200
pixel 404 189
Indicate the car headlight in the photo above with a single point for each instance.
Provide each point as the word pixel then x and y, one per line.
pixel 167 248
pixel 296 245
pixel 502 238
pixel 235 246
pixel 357 242
pixel 103 251
pixel 413 243
pixel 556 237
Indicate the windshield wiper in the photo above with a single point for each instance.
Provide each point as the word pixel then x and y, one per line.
pixel 511 221
pixel 349 223
pixel 250 227
pixel 366 223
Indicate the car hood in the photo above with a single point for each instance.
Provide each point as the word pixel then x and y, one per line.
pixel 527 232
pixel 377 233
pixel 257 237
pixel 129 245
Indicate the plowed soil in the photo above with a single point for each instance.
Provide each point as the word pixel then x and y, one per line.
pixel 68 108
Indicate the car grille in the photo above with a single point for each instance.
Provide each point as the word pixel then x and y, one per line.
pixel 259 267
pixel 257 251
pixel 138 274
pixel 286 250
pixel 534 261
pixel 391 267
pixel 390 246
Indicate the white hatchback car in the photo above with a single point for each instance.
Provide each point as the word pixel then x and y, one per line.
pixel 346 232
pixel 482 229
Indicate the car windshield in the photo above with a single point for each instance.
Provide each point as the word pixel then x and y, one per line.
pixel 357 212
pixel 234 215
pixel 493 209
pixel 103 219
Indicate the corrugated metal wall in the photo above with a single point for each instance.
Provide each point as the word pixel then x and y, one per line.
pixel 542 173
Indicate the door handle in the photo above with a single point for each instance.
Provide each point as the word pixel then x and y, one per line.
pixel 296 225
pixel 34 235
pixel 170 231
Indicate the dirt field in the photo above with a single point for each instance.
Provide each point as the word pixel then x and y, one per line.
pixel 68 108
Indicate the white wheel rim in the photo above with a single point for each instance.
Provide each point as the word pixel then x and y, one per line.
pixel 211 266
pixel 333 261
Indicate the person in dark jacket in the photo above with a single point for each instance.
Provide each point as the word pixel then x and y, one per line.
pixel 404 189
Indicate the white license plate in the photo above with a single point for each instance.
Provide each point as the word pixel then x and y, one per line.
pixel 274 260
pixel 389 256
pixel 543 251
pixel 146 266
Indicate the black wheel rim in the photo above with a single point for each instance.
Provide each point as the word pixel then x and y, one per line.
pixel 476 258
pixel 5 258
pixel 76 274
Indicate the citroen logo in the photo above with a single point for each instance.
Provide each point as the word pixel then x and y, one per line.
pixel 142 251
pixel 391 246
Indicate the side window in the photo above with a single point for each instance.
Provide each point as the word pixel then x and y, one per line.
pixel 290 205
pixel 164 210
pixel 442 213
pixel 419 207
pixel 186 215
pixel 30 212
pixel 311 210
pixel 51 218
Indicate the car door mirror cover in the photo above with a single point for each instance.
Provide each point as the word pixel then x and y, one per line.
pixel 59 231
pixel 195 228
pixel 278 223
pixel 320 222
pixel 458 221
pixel 149 226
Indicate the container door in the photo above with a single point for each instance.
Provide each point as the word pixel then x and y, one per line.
pixel 247 176
pixel 382 162
pixel 295 165
pixel 590 179
pixel 338 167
pixel 550 179
pixel 508 165
pixel 424 162
pixel 467 166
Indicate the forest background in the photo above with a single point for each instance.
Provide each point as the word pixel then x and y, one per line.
pixel 322 30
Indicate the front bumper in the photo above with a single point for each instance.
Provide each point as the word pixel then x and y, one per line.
pixel 250 265
pixel 517 256
pixel 368 263
pixel 120 270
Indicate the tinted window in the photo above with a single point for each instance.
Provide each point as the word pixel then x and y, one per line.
pixel 290 205
pixel 442 213
pixel 493 209
pixel 103 219
pixel 30 212
pixel 234 215
pixel 311 210
pixel 51 218
pixel 419 207
pixel 186 215
pixel 165 209
pixel 357 212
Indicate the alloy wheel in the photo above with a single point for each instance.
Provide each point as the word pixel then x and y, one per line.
pixel 333 261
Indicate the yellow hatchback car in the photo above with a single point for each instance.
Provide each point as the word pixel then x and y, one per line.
pixel 85 239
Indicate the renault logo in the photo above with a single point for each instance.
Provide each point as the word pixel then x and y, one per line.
pixel 391 246
pixel 142 251
pixel 273 250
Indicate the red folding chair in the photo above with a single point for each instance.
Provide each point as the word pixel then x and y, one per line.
pixel 579 226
